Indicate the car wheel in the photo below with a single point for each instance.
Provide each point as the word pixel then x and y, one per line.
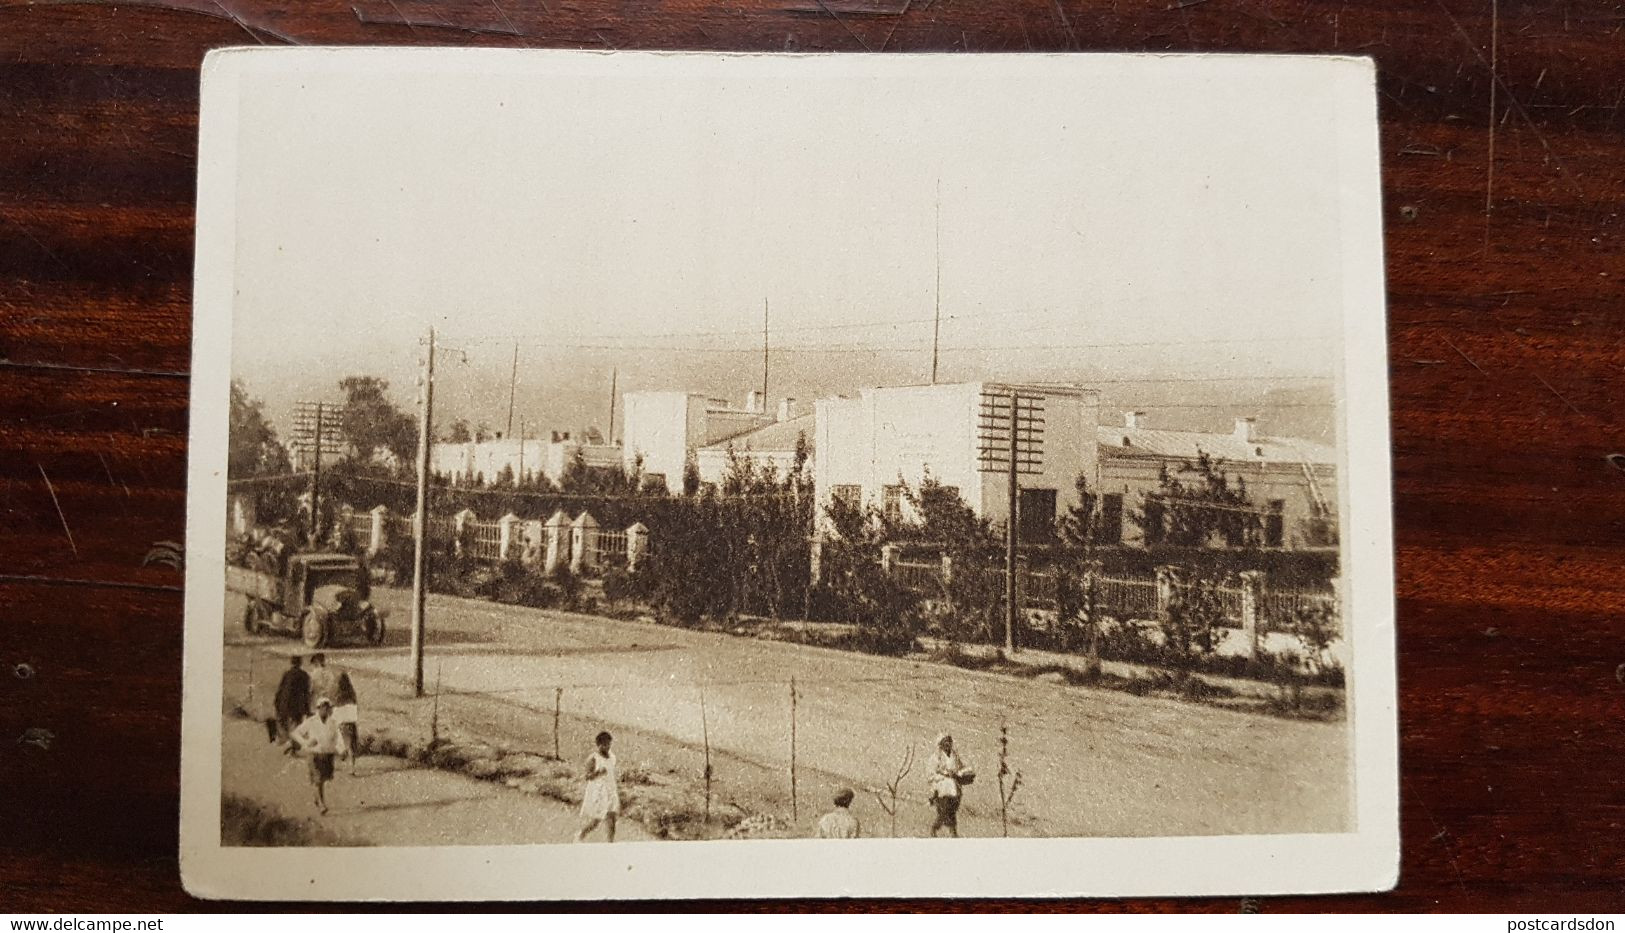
pixel 314 629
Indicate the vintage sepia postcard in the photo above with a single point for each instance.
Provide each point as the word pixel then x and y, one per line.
pixel 659 475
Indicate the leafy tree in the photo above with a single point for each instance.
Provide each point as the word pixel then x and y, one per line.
pixel 372 422
pixel 1077 573
pixel 1316 627
pixel 1079 528
pixel 1192 624
pixel 691 475
pixel 459 432
pixel 1199 506
pixel 253 448
pixel 577 479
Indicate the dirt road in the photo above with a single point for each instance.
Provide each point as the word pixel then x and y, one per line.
pixel 1093 762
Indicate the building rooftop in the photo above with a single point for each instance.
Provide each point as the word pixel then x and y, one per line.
pixel 780 435
pixel 1123 441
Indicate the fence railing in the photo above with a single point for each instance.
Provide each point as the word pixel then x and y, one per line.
pixel 1131 596
pixel 577 542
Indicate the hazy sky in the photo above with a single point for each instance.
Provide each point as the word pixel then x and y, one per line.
pixel 1108 213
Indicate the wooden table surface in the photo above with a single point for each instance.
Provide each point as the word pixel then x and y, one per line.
pixel 1503 151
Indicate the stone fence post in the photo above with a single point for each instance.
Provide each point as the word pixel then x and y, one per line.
pixel 242 514
pixel 1252 600
pixel 556 531
pixel 378 534
pixel 583 543
pixel 505 536
pixel 888 557
pixel 815 561
pixel 947 570
pixel 343 529
pixel 534 542
pixel 637 544
pixel 1165 589
pixel 459 529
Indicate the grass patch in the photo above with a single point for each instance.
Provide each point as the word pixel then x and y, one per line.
pixel 667 806
pixel 244 822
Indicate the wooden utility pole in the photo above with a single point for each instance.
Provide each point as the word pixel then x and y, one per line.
pixel 558 700
pixel 764 355
pixel 420 519
pixel 1011 528
pixel 1011 442
pixel 795 810
pixel 705 737
pixel 513 388
pixel 316 486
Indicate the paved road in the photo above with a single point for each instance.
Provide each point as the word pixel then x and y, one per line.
pixel 1093 762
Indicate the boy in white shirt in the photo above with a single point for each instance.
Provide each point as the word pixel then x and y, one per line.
pixel 322 736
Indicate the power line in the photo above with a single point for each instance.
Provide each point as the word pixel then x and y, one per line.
pixel 262 480
pixel 861 349
pixel 844 325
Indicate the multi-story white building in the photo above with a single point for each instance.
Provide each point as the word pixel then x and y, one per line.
pixel 871 445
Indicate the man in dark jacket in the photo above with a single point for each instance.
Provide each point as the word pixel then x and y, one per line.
pixel 292 697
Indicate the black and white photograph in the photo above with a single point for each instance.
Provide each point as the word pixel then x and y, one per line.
pixel 703 475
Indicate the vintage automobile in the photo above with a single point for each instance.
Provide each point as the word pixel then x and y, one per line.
pixel 320 597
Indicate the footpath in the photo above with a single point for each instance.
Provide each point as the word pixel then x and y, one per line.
pixel 391 802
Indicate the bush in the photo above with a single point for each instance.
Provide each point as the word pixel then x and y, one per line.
pixel 624 586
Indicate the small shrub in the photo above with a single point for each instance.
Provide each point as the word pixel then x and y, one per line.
pixel 624 586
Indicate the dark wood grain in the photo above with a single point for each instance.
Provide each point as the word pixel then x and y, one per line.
pixel 1505 326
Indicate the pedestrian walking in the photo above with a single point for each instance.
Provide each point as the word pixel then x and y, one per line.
pixel 948 778
pixel 839 823
pixel 601 796
pixel 324 681
pixel 292 698
pixel 346 711
pixel 321 737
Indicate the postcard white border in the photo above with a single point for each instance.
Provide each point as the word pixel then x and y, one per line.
pixel 1366 859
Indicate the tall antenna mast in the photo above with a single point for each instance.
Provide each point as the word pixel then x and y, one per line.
pixel 513 387
pixel 614 376
pixel 764 353
pixel 936 321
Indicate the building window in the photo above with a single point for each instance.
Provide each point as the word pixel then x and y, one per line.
pixel 1153 520
pixel 892 502
pixel 1037 515
pixel 847 494
pixel 1275 523
pixel 1111 518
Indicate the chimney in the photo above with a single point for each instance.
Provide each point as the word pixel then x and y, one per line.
pixel 1131 419
pixel 787 409
pixel 1245 429
pixel 755 402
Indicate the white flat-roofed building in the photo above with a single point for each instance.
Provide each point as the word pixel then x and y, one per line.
pixel 1292 481
pixel 772 446
pixel 871 444
pixel 664 428
pixel 481 463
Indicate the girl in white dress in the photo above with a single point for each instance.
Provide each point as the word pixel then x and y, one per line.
pixel 601 796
